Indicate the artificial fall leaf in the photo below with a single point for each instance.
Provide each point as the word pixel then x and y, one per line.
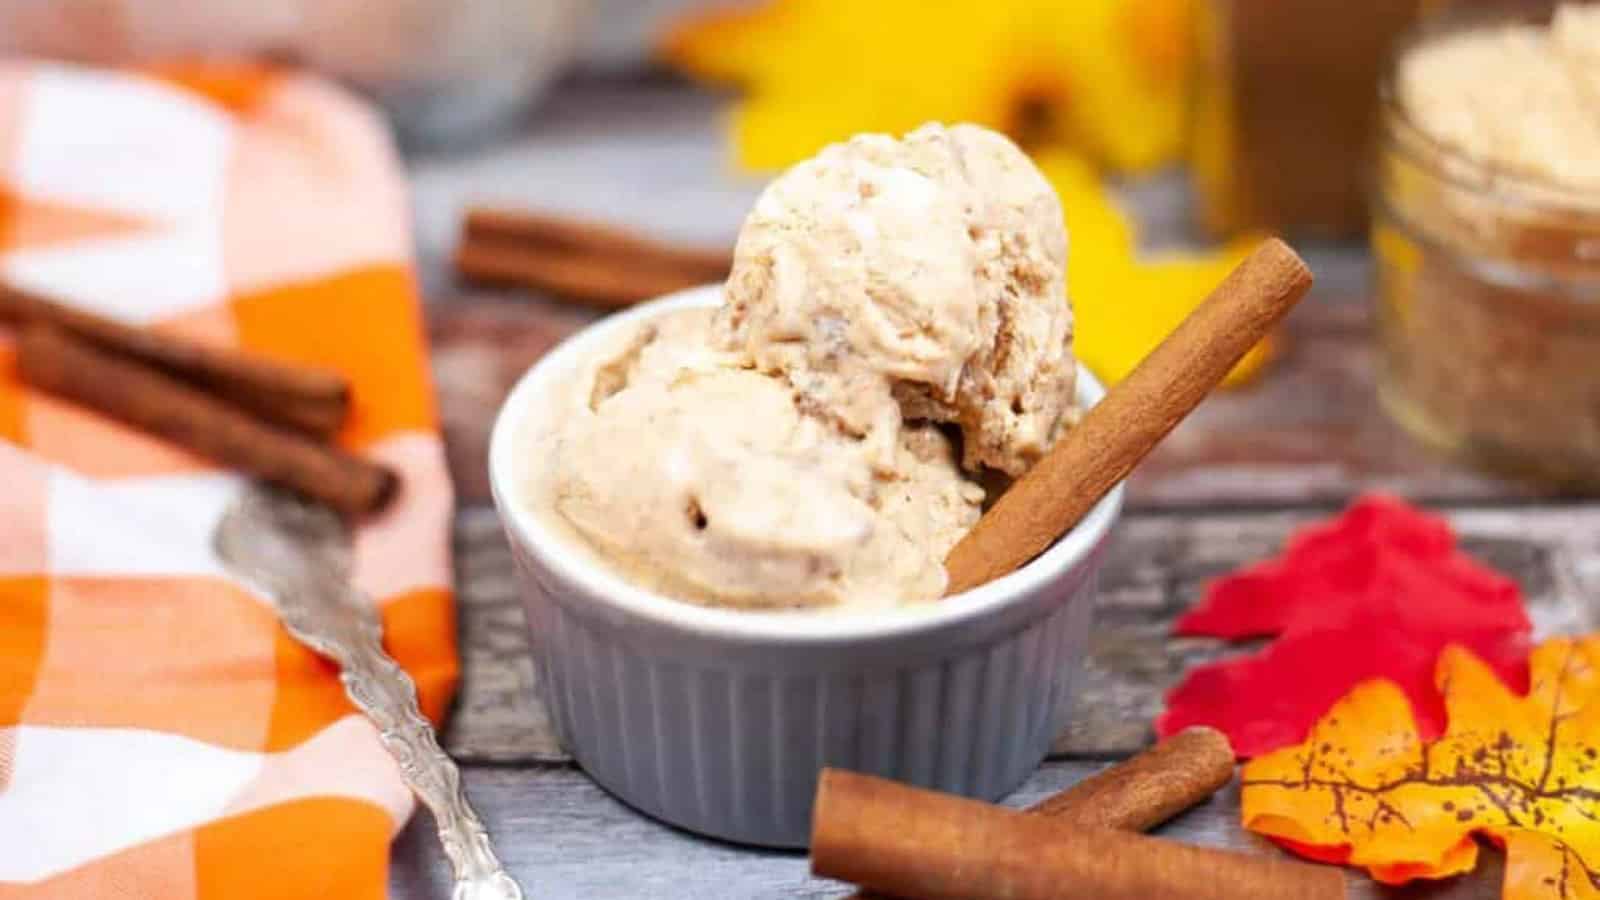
pixel 1377 592
pixel 1522 771
pixel 1105 77
pixel 1123 306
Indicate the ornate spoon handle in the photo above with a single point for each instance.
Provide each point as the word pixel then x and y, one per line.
pixel 382 690
pixel 295 550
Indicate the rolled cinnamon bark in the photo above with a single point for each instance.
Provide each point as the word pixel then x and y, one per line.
pixel 146 398
pixel 607 242
pixel 1120 430
pixel 1146 790
pixel 912 843
pixel 1150 788
pixel 311 400
pixel 601 282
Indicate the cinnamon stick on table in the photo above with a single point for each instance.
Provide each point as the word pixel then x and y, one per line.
pixel 1120 430
pixel 580 236
pixel 593 281
pixel 587 262
pixel 1146 790
pixel 147 398
pixel 921 845
pixel 1150 788
pixel 311 400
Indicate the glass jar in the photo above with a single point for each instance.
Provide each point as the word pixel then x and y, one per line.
pixel 1285 96
pixel 1488 285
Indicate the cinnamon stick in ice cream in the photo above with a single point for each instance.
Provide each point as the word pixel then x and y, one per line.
pixel 908 842
pixel 1120 430
pixel 145 397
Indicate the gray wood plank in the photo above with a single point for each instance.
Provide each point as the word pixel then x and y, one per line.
pixel 1158 566
pixel 563 837
pixel 498 716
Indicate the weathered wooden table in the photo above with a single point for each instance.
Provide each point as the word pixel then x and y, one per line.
pixel 1225 489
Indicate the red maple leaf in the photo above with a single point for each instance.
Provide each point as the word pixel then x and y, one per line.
pixel 1377 592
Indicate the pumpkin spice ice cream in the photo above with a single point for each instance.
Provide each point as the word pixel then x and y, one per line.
pixel 928 271
pixel 895 324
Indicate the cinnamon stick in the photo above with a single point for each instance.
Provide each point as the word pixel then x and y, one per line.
pixel 592 239
pixel 587 262
pixel 604 283
pixel 307 399
pixel 912 843
pixel 1150 788
pixel 1140 793
pixel 1120 430
pixel 145 397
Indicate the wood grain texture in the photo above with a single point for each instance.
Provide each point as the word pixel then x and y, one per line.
pixel 498 716
pixel 1157 567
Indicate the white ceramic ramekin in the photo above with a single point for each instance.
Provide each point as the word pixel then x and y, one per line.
pixel 718 721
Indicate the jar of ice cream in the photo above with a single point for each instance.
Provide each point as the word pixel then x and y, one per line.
pixel 1486 235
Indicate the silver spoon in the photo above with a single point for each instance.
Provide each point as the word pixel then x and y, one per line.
pixel 298 552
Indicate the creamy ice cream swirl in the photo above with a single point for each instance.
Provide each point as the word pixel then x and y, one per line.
pixel 920 278
pixel 797 446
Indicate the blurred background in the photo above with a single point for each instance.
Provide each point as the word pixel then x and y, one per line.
pixel 1177 132
pixel 667 115
pixel 1128 87
pixel 1238 88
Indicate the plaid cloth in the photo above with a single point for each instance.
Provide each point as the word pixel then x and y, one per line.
pixel 161 735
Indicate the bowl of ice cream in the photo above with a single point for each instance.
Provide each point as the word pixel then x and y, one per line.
pixel 730 506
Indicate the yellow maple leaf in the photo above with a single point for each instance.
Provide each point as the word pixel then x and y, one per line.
pixel 1123 305
pixel 1521 771
pixel 1104 77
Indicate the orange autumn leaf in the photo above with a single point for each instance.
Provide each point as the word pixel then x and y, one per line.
pixel 1522 772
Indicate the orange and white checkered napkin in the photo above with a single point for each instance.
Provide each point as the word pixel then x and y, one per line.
pixel 161 736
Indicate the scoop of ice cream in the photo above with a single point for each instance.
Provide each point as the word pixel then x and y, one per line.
pixel 787 449
pixel 920 278
pixel 1575 29
pixel 709 482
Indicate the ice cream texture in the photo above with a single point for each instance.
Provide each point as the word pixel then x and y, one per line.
pixel 1524 98
pixel 929 271
pixel 895 330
